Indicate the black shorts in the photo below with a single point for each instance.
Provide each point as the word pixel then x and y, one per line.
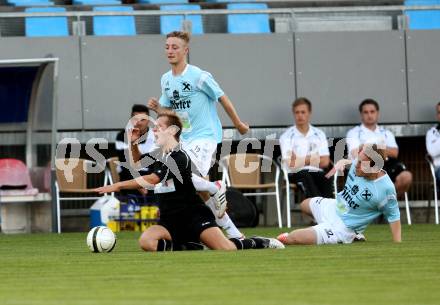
pixel 188 225
pixel 393 167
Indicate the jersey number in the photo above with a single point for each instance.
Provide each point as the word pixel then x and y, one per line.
pixel 329 233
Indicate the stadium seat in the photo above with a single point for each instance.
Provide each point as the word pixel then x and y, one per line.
pixel 163 1
pixel 114 25
pixel 174 23
pixel 434 179
pixel 423 20
pixel 46 26
pixel 250 179
pixel 72 181
pixel 422 2
pixel 290 190
pixel 30 2
pixel 15 179
pixel 111 171
pixel 248 23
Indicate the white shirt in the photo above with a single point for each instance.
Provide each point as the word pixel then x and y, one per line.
pixel 361 135
pixel 315 141
pixel 433 145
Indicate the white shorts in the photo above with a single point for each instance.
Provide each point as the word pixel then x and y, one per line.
pixel 330 228
pixel 201 152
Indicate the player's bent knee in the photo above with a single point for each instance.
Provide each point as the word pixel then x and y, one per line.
pixel 404 177
pixel 147 244
pixel 305 206
pixel 305 202
pixel 408 177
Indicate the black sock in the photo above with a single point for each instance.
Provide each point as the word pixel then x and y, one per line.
pixel 259 243
pixel 168 245
pixel 243 244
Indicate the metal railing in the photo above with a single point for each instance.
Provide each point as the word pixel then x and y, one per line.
pixel 287 11
pixel 285 19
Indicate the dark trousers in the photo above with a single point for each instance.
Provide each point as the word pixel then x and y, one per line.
pixel 437 177
pixel 313 183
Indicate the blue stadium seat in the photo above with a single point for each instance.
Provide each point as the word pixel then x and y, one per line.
pixel 423 20
pixel 30 2
pixel 163 1
pixel 174 23
pixel 96 2
pixel 46 26
pixel 248 23
pixel 114 25
pixel 422 2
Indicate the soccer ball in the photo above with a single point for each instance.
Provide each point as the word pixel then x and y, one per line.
pixel 101 239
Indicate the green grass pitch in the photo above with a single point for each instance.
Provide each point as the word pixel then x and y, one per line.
pixel 59 269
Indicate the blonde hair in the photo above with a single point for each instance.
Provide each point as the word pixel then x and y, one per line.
pixel 185 36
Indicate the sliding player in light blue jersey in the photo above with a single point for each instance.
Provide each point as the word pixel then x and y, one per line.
pixel 368 193
pixel 193 94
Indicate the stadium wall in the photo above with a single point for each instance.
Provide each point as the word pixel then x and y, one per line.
pixel 101 77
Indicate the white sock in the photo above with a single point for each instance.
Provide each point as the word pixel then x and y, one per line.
pixel 225 222
pixel 203 185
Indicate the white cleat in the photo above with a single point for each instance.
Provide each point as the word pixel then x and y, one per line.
pixel 271 243
pixel 359 237
pixel 220 203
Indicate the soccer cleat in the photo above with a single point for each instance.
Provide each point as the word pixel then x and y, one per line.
pixel 283 237
pixel 270 243
pixel 359 237
pixel 220 202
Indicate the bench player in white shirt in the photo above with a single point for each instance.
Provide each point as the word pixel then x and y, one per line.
pixel 370 132
pixel 139 119
pixel 304 150
pixel 433 145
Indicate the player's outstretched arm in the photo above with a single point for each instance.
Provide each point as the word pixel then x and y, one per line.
pixel 396 231
pixel 339 167
pixel 154 105
pixel 148 180
pixel 242 127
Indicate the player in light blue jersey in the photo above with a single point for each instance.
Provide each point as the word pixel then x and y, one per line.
pixel 367 194
pixel 193 94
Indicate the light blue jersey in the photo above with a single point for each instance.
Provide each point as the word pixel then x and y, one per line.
pixel 193 96
pixel 362 200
